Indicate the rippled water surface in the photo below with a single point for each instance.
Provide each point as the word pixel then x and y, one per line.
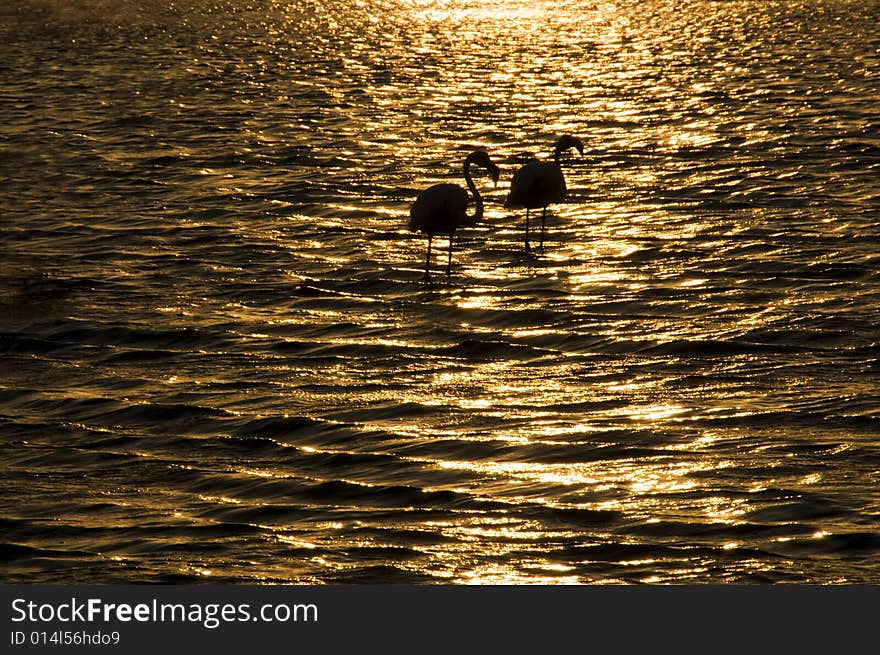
pixel 219 357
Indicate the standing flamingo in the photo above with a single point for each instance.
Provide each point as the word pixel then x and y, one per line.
pixel 442 208
pixel 539 183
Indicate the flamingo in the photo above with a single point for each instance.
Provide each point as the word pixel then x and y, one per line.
pixel 442 208
pixel 541 183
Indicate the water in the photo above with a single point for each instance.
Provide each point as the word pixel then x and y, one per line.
pixel 220 361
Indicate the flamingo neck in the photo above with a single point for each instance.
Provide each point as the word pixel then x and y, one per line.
pixel 478 199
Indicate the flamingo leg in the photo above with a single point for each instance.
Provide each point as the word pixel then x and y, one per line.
pixel 543 218
pixel 449 262
pixel 528 246
pixel 428 260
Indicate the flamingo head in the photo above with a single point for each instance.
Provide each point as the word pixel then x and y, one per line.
pixel 481 158
pixel 566 141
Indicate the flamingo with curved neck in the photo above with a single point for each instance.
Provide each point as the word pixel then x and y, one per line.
pixel 538 184
pixel 442 208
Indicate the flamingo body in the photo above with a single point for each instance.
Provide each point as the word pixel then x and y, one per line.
pixel 439 209
pixel 536 185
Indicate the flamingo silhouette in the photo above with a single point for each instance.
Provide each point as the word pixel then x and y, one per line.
pixel 539 183
pixel 442 208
